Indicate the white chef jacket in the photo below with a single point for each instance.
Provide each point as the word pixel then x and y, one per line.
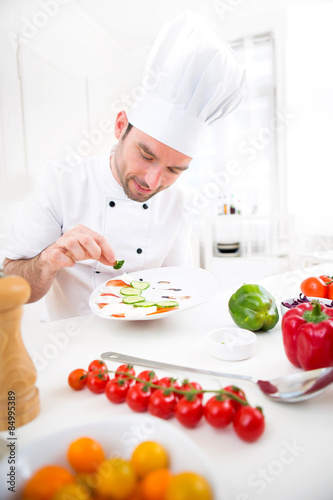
pixel 146 235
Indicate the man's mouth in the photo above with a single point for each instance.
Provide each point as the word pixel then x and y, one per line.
pixel 140 188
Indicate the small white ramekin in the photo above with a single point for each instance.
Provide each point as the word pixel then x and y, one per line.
pixel 231 344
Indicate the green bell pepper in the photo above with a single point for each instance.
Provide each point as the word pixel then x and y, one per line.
pixel 253 308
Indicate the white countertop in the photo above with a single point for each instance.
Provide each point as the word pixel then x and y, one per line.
pixel 293 458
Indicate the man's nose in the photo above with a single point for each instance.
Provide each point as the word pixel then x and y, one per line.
pixel 153 177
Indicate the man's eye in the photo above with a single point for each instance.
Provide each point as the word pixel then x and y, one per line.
pixel 145 157
pixel 174 171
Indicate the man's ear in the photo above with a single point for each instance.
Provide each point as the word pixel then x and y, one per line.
pixel 120 124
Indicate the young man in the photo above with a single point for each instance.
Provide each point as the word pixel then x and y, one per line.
pixel 112 198
pixel 67 237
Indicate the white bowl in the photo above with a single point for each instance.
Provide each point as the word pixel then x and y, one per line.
pixel 284 309
pixel 231 344
pixel 118 436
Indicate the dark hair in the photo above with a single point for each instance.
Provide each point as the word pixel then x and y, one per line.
pixel 127 131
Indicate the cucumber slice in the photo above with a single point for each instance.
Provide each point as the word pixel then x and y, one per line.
pixel 128 290
pixel 147 303
pixel 142 285
pixel 133 299
pixel 167 303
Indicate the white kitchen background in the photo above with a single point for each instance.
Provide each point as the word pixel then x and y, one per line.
pixel 68 66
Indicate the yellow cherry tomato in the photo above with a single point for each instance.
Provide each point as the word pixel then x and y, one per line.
pixel 116 479
pixel 188 486
pixel 72 492
pixel 149 456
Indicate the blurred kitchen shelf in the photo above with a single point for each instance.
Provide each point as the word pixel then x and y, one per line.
pixel 241 248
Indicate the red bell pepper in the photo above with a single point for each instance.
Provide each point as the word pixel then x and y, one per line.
pixel 307 332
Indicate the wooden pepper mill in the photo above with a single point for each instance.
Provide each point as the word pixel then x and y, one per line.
pixel 17 371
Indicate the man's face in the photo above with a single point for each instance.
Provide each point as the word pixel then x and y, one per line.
pixel 144 166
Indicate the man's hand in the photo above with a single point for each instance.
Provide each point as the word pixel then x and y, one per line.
pixel 79 243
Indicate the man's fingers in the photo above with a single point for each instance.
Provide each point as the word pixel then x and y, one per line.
pixel 59 258
pixel 72 246
pixel 91 249
pixel 79 244
pixel 107 256
pixel 100 250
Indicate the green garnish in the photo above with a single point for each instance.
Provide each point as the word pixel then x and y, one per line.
pixel 118 264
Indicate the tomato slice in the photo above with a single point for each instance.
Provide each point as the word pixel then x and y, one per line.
pixel 118 315
pixel 163 310
pixel 101 305
pixel 109 294
pixel 117 283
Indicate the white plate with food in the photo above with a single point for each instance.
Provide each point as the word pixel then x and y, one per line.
pixel 118 436
pixel 152 293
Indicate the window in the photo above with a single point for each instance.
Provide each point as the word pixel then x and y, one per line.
pixel 239 151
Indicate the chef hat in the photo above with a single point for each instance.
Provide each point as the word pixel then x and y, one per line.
pixel 191 79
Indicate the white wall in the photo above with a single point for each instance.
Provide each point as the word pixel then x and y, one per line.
pixel 310 100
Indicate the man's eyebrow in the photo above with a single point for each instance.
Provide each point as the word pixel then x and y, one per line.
pixel 150 153
pixel 147 150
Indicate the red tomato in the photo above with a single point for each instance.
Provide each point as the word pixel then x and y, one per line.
pixel 314 287
pixel 123 369
pixel 138 397
pixel 117 283
pixel 77 379
pixel 163 310
pixel 189 386
pixel 330 292
pixel 116 390
pixel 249 423
pixel 97 365
pixel 238 392
pixel 162 405
pixel 219 411
pixel 189 413
pixel 325 278
pixel 97 381
pixel 169 382
pixel 148 376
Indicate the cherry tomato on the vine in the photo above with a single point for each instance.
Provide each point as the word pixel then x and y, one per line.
pixel 162 404
pixel 328 280
pixel 249 423
pixel 148 376
pixel 138 397
pixel 116 390
pixel 122 370
pixel 189 411
pixel 97 365
pixel 219 411
pixel 169 382
pixel 238 392
pixel 314 287
pixel 77 379
pixel 325 278
pixel 97 381
pixel 190 386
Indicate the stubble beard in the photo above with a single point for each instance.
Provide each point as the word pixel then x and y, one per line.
pixel 125 180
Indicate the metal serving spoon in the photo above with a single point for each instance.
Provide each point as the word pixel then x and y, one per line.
pixel 288 389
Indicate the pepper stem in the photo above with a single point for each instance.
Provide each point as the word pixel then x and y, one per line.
pixel 316 315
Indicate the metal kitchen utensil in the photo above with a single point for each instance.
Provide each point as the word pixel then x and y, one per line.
pixel 287 389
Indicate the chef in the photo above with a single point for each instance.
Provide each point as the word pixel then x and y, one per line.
pixel 125 204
